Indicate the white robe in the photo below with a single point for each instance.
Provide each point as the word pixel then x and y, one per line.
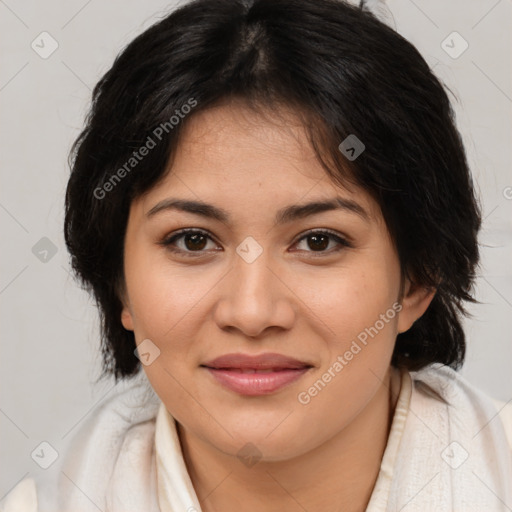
pixel 449 450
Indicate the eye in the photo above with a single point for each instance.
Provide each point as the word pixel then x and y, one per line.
pixel 319 240
pixel 193 241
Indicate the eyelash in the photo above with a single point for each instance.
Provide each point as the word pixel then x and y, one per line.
pixel 168 241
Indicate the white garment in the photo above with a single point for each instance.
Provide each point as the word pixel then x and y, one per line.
pixel 445 458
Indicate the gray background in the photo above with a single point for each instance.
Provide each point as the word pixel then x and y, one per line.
pixel 49 329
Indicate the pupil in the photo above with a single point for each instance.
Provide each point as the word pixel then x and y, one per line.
pixel 194 237
pixel 316 244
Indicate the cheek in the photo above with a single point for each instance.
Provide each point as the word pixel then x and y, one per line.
pixel 161 294
pixel 165 304
pixel 359 313
pixel 358 360
pixel 352 298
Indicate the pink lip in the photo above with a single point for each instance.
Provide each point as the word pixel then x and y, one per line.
pixel 253 384
pixel 261 361
pixel 228 370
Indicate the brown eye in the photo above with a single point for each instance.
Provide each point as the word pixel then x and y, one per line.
pixel 188 242
pixel 318 242
pixel 194 241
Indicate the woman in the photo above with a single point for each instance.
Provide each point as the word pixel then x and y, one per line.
pixel 272 206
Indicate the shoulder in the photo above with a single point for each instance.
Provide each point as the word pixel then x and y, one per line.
pixel 124 419
pixel 463 398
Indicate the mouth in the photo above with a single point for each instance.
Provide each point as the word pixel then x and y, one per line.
pixel 254 375
pixel 256 381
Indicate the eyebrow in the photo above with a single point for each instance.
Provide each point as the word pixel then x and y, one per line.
pixel 283 216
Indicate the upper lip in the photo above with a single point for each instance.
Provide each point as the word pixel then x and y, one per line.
pixel 257 362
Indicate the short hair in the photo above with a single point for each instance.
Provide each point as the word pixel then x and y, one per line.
pixel 343 72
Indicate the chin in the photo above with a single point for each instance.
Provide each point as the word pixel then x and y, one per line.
pixel 262 443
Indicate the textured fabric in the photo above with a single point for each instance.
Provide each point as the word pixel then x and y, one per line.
pixel 175 489
pixel 380 494
pixel 449 449
pixel 454 452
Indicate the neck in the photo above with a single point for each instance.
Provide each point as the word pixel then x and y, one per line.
pixel 340 471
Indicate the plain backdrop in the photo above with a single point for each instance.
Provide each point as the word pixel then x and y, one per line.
pixel 49 329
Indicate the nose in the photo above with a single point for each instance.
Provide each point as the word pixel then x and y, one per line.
pixel 255 298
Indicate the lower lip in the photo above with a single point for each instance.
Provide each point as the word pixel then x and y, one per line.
pixel 254 384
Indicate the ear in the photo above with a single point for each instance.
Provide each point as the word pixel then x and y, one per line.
pixel 415 302
pixel 126 312
pixel 127 318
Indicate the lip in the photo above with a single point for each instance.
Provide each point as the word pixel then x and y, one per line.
pixel 254 384
pixel 256 375
pixel 268 360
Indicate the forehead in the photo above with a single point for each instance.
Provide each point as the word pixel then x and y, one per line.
pixel 233 154
pixel 235 132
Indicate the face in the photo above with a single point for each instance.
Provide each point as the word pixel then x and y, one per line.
pixel 319 285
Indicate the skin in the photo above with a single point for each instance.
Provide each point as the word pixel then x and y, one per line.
pixel 294 299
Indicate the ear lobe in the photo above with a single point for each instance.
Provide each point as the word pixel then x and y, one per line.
pixel 415 302
pixel 126 314
pixel 127 319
